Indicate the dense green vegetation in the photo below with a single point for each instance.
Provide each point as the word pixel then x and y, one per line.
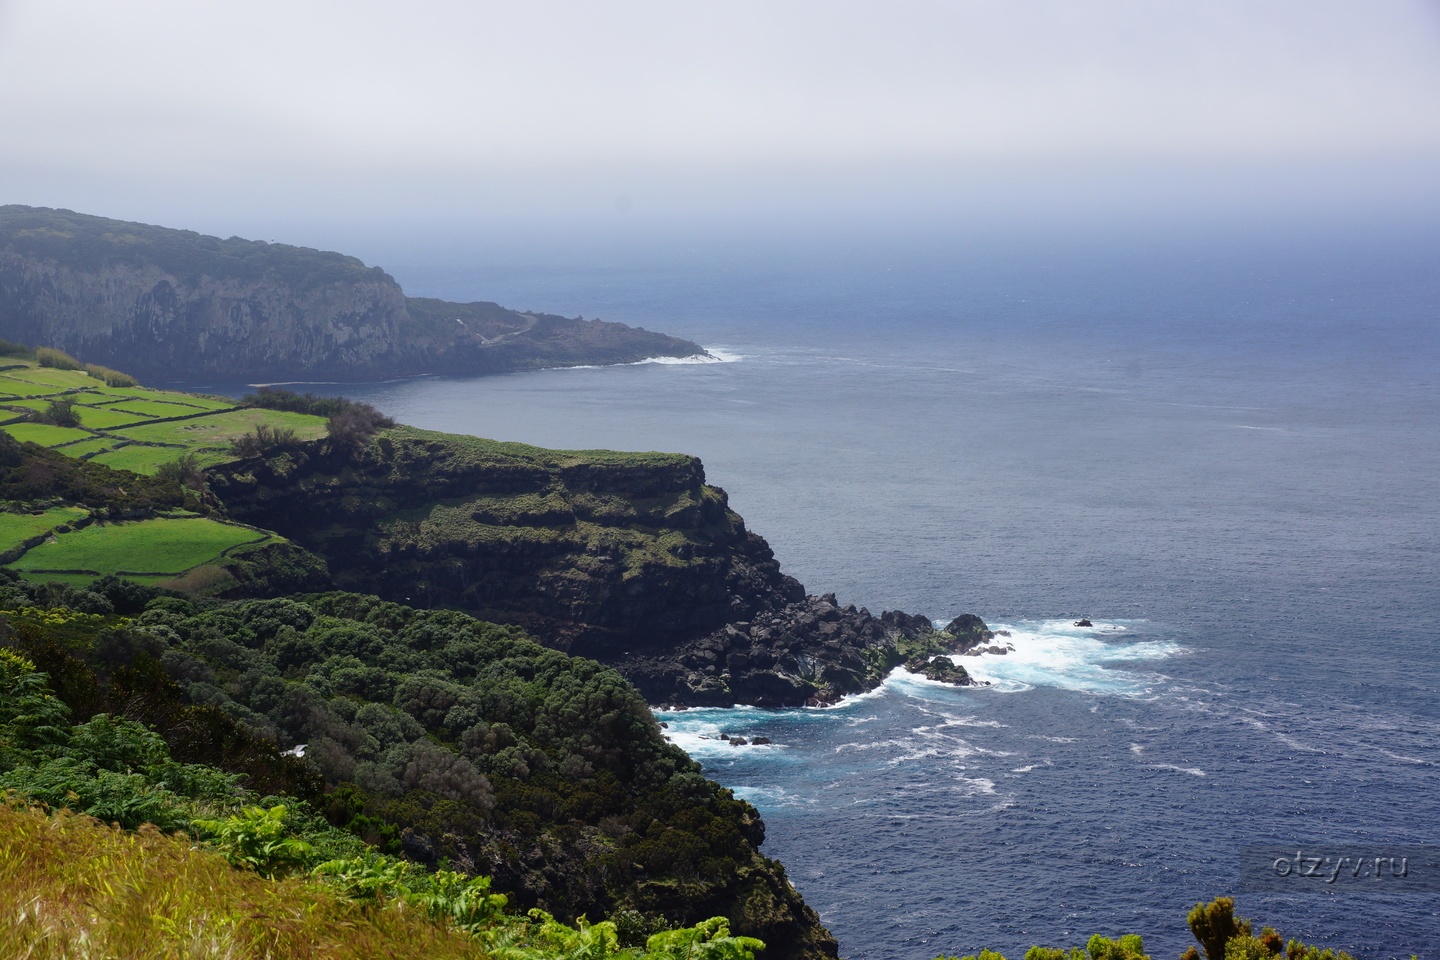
pixel 428 734
pixel 78 888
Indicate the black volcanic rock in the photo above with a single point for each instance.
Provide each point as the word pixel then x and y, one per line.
pixel 941 669
pixel 969 631
pixel 811 651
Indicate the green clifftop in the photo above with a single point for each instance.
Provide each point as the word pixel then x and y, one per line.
pixel 159 302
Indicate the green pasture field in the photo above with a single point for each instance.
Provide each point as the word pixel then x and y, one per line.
pixel 187 399
pixel 219 429
pixel 491 450
pixel 138 459
pixel 101 418
pixel 16 528
pixel 82 447
pixel 43 433
pixel 36 405
pixel 149 460
pixel 31 380
pixel 161 546
pixel 148 409
pixel 40 380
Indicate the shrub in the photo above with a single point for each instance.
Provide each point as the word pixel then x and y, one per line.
pixel 185 471
pixel 9 349
pixel 60 413
pixel 264 439
pixel 257 839
pixel 357 423
pixel 350 422
pixel 30 715
pixel 111 378
pixel 1214 924
pixel 59 359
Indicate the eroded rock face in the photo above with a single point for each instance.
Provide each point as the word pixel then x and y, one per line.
pixel 172 304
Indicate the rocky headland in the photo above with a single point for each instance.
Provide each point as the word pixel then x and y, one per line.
pixel 629 559
pixel 173 304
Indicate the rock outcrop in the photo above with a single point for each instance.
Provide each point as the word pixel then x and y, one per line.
pixel 808 652
pixel 172 304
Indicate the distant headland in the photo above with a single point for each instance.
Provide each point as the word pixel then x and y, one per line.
pixel 175 304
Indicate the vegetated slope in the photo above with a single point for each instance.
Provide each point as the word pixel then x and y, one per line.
pixel 75 887
pixel 70 520
pixel 437 736
pixel 630 558
pixel 129 427
pixel 163 303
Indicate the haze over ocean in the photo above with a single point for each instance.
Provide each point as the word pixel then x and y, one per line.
pixel 1220 446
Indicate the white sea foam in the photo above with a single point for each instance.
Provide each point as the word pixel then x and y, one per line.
pixel 711 355
pixel 978 784
pixel 772 797
pixel 1056 653
pixel 1193 771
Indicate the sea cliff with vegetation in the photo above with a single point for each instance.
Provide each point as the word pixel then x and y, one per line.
pixel 174 304
pixel 280 677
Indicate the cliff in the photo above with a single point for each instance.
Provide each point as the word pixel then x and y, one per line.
pixel 630 559
pixel 158 302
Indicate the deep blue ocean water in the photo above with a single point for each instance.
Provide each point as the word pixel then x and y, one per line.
pixel 1221 447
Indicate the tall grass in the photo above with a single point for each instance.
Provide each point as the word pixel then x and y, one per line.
pixel 59 359
pixel 111 378
pixel 75 888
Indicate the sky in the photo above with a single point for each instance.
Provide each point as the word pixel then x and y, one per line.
pixel 264 115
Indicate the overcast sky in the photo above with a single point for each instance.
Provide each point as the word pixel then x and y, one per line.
pixel 196 113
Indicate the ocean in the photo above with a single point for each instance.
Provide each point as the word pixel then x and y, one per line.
pixel 1219 445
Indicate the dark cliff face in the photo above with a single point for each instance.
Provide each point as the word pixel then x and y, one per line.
pixel 630 559
pixel 604 555
pixel 171 303
pixel 156 324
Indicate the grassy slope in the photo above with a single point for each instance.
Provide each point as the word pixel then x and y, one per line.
pixel 75 887
pixel 118 424
pixel 16 528
pixel 170 551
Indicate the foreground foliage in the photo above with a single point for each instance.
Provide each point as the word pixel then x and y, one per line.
pixel 456 744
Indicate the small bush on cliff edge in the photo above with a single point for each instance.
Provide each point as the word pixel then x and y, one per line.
pixel 350 423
